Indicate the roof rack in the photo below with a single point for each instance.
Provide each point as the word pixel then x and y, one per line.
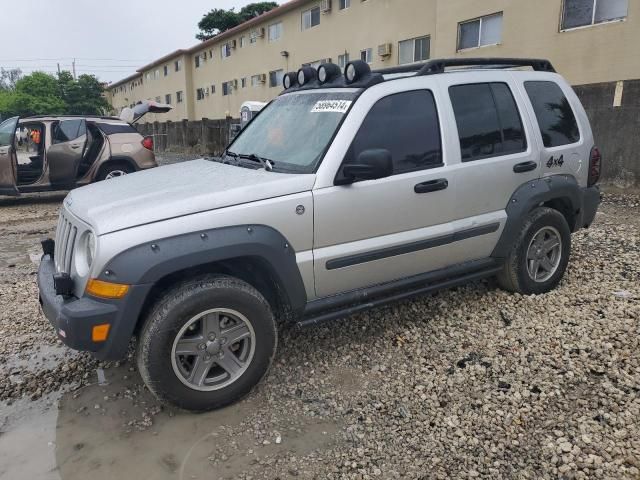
pixel 436 66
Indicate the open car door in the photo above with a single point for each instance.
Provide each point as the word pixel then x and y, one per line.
pixel 132 115
pixel 68 142
pixel 8 159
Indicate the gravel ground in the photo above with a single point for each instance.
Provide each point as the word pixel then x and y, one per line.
pixel 471 382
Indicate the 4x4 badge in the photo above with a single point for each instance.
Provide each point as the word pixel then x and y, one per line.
pixel 300 209
pixel 555 162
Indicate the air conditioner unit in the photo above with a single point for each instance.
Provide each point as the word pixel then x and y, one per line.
pixel 206 91
pixel 385 49
pixel 234 43
pixel 263 78
pixel 325 6
pixel 259 33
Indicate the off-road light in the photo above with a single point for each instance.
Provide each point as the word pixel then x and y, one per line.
pixel 328 72
pixel 356 70
pixel 306 75
pixel 290 80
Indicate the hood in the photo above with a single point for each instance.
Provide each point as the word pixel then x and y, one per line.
pixel 176 190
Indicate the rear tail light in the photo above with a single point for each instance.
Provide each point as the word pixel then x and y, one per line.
pixel 147 142
pixel 595 166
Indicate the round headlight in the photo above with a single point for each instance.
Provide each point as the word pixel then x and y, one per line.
pixel 289 80
pixel 356 70
pixel 306 74
pixel 328 72
pixel 350 73
pixel 322 74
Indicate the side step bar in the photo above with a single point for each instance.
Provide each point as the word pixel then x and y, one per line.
pixel 316 317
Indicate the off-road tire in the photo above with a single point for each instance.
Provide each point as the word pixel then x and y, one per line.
pixel 105 170
pixel 514 277
pixel 164 321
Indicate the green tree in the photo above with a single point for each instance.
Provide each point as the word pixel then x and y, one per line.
pixel 44 94
pixel 220 20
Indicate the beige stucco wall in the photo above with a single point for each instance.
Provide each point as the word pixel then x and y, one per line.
pixel 601 53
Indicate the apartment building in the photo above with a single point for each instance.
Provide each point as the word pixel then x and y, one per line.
pixel 588 41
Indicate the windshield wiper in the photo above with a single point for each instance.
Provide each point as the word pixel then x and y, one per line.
pixel 266 163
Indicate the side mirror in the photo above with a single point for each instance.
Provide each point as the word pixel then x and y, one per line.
pixel 370 165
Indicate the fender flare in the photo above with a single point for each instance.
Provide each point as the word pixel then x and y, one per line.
pixel 147 263
pixel 531 194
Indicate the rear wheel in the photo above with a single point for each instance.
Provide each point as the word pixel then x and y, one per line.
pixel 540 254
pixel 114 170
pixel 207 343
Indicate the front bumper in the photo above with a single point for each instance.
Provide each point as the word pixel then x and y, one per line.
pixel 74 318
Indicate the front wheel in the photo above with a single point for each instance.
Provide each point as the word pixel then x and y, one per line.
pixel 539 256
pixel 207 343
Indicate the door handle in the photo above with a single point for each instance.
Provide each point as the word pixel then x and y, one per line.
pixel 525 166
pixel 431 186
pixel 75 147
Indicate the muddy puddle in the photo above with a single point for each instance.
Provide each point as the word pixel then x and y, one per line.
pixel 119 429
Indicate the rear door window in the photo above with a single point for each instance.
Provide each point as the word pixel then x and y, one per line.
pixel 489 124
pixel 68 130
pixel 556 119
pixel 405 124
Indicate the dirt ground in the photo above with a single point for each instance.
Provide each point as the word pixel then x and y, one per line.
pixel 471 382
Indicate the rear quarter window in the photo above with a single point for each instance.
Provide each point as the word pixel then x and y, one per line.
pixel 555 116
pixel 111 128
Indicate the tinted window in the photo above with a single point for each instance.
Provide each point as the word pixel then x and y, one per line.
pixel 406 124
pixel 488 121
pixel 112 128
pixel 68 130
pixel 555 117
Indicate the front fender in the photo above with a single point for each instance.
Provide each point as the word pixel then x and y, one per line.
pixel 149 262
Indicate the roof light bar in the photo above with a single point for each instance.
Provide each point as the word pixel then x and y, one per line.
pixel 356 70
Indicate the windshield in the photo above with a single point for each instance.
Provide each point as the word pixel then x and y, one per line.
pixel 294 130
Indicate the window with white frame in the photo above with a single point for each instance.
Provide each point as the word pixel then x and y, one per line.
pixel 256 80
pixel 177 65
pixel 196 59
pixel 253 37
pixel 226 88
pixel 311 18
pixel 157 75
pixel 344 4
pixel 243 41
pixel 275 31
pixel 165 70
pixel 243 82
pixel 413 50
pixel 581 13
pixel 225 50
pixel 343 60
pixel 167 98
pixel 199 93
pixel 275 78
pixel 179 96
pixel 213 89
pixel 480 32
pixel 366 55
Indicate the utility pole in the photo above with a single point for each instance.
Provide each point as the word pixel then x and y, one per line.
pixel 58 68
pixel 73 65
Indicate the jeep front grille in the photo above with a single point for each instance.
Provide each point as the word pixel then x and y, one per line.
pixel 66 235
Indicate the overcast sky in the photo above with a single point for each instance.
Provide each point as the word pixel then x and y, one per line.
pixel 109 39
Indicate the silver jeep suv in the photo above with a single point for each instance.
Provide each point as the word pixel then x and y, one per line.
pixel 345 193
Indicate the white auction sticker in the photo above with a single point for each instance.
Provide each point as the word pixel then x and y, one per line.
pixel 337 106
